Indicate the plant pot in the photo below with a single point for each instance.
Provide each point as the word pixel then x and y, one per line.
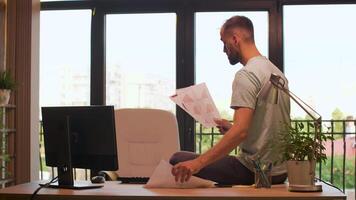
pixel 301 172
pixel 4 97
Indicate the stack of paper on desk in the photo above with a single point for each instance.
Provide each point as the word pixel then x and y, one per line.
pixel 196 101
pixel 163 178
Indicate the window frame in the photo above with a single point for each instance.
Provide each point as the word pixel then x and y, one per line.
pixel 185 33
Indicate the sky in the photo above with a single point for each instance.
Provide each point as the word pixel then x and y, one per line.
pixel 64 43
pixel 319 43
pixel 319 49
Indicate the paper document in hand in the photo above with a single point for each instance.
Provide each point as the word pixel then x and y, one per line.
pixel 163 178
pixel 196 101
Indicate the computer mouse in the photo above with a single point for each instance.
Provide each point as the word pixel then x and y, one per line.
pixel 98 179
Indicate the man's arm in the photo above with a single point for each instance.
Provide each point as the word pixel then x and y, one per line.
pixel 231 139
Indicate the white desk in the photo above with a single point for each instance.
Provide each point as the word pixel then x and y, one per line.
pixel 116 191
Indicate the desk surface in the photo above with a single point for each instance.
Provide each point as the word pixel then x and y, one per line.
pixel 116 191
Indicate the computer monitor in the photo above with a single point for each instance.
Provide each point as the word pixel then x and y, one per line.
pixel 79 137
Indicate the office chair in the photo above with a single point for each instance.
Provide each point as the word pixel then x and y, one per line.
pixel 144 137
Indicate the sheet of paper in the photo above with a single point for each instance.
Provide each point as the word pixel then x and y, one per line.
pixel 196 101
pixel 163 178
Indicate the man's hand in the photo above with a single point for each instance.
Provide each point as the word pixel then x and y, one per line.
pixel 223 125
pixel 184 170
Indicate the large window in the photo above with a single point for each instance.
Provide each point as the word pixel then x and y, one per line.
pixel 65 57
pixel 319 48
pixel 141 60
pixel 212 65
pixel 64 64
pixel 141 52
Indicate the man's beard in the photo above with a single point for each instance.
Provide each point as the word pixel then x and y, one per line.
pixel 234 58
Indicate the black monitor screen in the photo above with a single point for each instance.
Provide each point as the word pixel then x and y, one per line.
pixel 92 136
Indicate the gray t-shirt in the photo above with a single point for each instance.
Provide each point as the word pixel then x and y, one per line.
pixel 268 118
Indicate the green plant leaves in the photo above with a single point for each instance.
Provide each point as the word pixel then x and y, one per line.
pixel 6 81
pixel 300 142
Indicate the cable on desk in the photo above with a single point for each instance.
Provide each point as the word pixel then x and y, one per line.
pixel 55 179
pixel 329 184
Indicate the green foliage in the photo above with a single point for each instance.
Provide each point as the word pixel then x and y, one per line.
pixel 2 125
pixel 205 138
pixel 307 117
pixel 338 171
pixel 6 81
pixel 297 118
pixel 4 156
pixel 298 144
pixel 45 168
pixel 305 129
pixel 337 114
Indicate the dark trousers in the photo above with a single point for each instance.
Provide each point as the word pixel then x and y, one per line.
pixel 227 170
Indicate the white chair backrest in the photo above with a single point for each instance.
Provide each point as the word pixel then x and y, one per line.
pixel 144 137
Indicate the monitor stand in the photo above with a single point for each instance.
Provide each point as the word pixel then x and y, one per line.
pixel 65 180
pixel 65 172
pixel 75 186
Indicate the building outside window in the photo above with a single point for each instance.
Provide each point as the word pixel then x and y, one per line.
pixel 140 60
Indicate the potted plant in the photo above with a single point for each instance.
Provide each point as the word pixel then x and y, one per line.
pixel 7 84
pixel 302 150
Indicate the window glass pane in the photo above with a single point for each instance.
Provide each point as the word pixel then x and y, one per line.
pixel 65 57
pixel 319 48
pixel 212 65
pixel 64 65
pixel 140 60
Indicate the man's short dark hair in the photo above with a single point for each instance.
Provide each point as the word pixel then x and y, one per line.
pixel 241 22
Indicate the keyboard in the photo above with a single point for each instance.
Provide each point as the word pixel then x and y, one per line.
pixel 134 180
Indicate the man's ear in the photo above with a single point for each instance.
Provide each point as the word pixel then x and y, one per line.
pixel 236 39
